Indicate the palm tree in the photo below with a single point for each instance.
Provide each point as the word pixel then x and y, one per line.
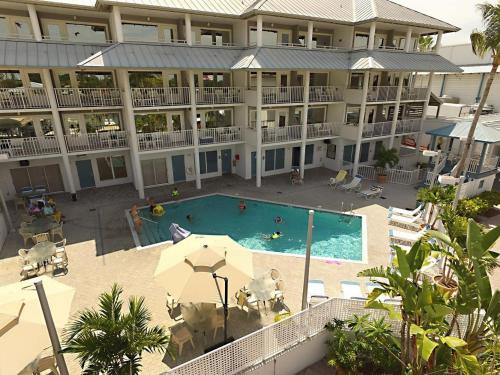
pixel 108 341
pixel 484 41
pixel 425 43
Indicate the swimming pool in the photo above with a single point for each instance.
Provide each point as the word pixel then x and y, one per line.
pixel 335 235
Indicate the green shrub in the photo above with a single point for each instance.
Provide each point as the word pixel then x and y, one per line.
pixel 492 197
pixel 471 207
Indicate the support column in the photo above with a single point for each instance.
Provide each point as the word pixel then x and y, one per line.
pixel 480 88
pixel 396 110
pixel 116 23
pixel 35 24
pixel 192 95
pixel 189 36
pixel 438 41
pixel 258 127
pixel 259 31
pixel 443 83
pixel 310 30
pixel 305 108
pixel 424 111
pixel 482 157
pixel 408 40
pixel 362 111
pixel 371 38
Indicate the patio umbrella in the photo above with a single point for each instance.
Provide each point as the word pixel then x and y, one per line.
pixel 185 269
pixel 23 333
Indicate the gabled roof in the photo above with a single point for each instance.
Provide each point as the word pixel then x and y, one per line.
pixel 484 132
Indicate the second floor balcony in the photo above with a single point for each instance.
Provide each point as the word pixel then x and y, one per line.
pixel 23 98
pixel 226 134
pixel 88 97
pixel 160 96
pixel 219 95
pixel 29 146
pixel 291 133
pixel 377 129
pixel 96 141
pixel 408 126
pixel 295 94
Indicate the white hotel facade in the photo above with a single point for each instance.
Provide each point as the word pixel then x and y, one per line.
pixel 157 92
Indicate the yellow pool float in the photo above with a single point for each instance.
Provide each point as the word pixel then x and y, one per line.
pixel 158 210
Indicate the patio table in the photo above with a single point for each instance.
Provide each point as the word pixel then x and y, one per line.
pixel 41 252
pixel 198 316
pixel 42 225
pixel 263 288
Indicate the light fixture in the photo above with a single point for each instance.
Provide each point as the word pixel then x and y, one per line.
pixel 74 18
pixel 208 24
pixel 148 19
pixel 430 153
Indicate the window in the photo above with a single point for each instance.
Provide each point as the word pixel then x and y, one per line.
pixel 208 162
pixel 140 33
pixel 154 171
pixel 150 122
pixel 95 79
pixel 315 115
pixel 269 37
pixel 10 79
pixel 214 79
pixel 172 80
pixel 111 167
pixel 218 119
pixel 309 154
pixel 46 127
pixel 4 27
pixel 331 151
pixel 72 125
pixel 352 115
pixel 214 37
pixel 481 184
pixel 54 32
pixel 35 80
pixel 268 79
pixel 168 35
pixel 13 127
pixel 275 159
pixel 86 33
pixel 361 40
pixel 146 79
pixel 349 153
pixel 22 28
pixel 102 122
pixel 356 81
pixel 365 152
pixel 64 80
pixel 378 148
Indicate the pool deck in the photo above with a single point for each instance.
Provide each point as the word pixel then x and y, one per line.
pixel 101 250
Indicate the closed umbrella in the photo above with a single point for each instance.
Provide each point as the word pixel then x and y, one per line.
pixel 23 333
pixel 185 269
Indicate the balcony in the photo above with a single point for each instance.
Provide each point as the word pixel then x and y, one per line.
pixel 227 134
pixel 322 130
pixel 23 98
pixel 415 93
pixel 408 126
pixel 88 97
pixel 282 134
pixel 282 95
pixel 377 129
pixel 163 140
pixel 382 93
pixel 31 146
pixel 219 95
pixel 96 141
pixel 489 164
pixel 160 97
pixel 321 94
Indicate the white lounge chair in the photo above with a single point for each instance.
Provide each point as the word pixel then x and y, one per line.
pixel 351 290
pixel 354 185
pixel 315 292
pixel 372 192
pixel 403 212
pixel 412 223
pixel 398 236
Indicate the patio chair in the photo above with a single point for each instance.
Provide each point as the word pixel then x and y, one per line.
pixel 217 321
pixel 338 179
pixel 28 270
pixel 372 192
pixel 412 223
pixel 25 218
pixel 181 337
pixel 41 189
pixel 57 231
pixel 60 262
pixel 20 203
pixel 398 236
pixel 40 237
pixel 27 236
pixel 275 274
pixel 351 290
pixel 250 303
pixel 315 292
pixel 354 185
pixel 403 212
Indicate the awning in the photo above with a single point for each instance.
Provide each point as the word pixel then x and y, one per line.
pixel 484 133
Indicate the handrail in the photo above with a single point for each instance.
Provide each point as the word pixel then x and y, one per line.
pixel 160 96
pixel 87 97
pixel 23 98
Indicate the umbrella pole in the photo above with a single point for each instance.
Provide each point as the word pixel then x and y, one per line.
pixel 51 328
pixel 224 301
pixel 308 259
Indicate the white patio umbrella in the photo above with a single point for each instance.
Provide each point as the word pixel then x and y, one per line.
pixel 185 269
pixel 23 333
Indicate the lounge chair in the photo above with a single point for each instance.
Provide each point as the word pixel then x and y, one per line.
pixel 351 290
pixel 372 192
pixel 403 212
pixel 397 236
pixel 354 185
pixel 411 223
pixel 316 292
pixel 338 179
pixel 181 337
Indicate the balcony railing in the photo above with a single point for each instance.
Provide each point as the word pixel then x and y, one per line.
pixel 88 97
pixel 219 135
pixel 160 96
pixel 325 94
pixel 321 130
pixel 382 93
pixel 282 95
pixel 377 129
pixel 23 98
pixel 164 140
pixel 96 141
pixel 31 146
pixel 219 95
pixel 408 126
pixel 283 134
pixel 489 164
pixel 413 93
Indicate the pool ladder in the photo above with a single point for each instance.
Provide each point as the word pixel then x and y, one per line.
pixel 347 215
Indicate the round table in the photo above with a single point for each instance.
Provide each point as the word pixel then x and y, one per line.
pixel 42 225
pixel 262 288
pixel 41 252
pixel 198 315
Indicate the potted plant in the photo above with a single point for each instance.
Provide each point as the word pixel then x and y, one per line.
pixel 387 158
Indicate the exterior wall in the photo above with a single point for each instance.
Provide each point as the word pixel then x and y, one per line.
pixel 4 229
pixel 462 86
pixel 461 54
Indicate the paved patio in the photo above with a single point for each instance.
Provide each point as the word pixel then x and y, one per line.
pixel 101 250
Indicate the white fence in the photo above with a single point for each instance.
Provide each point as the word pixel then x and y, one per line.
pixel 322 130
pixel 96 141
pixel 377 129
pixel 394 176
pixel 286 94
pixel 416 93
pixel 382 93
pixel 489 164
pixel 87 97
pixel 30 146
pixel 408 126
pixel 160 96
pixel 23 98
pixel 162 140
pixel 367 171
pixel 219 135
pixel 325 94
pixel 219 95
pixel 283 134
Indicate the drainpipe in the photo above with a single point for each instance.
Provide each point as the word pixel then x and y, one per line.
pixel 480 88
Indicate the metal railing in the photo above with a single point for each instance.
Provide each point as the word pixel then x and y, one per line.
pixel 377 129
pixel 219 135
pixel 489 164
pixel 31 146
pixel 282 134
pixel 382 93
pixel 219 95
pixel 413 93
pixel 160 96
pixel 408 126
pixel 96 141
pixel 281 95
pixel 325 94
pixel 164 140
pixel 23 98
pixel 394 175
pixel 367 171
pixel 88 97
pixel 321 130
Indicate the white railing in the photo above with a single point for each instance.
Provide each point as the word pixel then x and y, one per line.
pixel 407 161
pixel 160 96
pixel 325 94
pixel 489 164
pixel 87 97
pixel 96 141
pixel 404 177
pixel 367 171
pixel 321 130
pixel 382 93
pixel 164 140
pixel 23 98
pixel 280 95
pixel 408 126
pixel 414 93
pixel 219 135
pixel 219 95
pixel 31 146
pixel 377 129
pixel 282 134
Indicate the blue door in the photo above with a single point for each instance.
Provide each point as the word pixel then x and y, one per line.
pixel 253 158
pixel 296 157
pixel 227 165
pixel 85 173
pixel 178 168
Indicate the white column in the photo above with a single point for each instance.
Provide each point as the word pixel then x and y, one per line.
pixel 305 108
pixel 35 25
pixel 310 30
pixel 258 127
pixel 189 36
pixel 396 110
pixel 362 112
pixel 259 31
pixel 116 22
pixel 371 38
pixel 424 111
pixel 438 41
pixel 129 119
pixel 408 40
pixel 192 96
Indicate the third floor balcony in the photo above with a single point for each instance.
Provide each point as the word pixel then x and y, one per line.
pixel 84 142
pixel 295 94
pixel 23 98
pixel 29 146
pixel 88 97
pixel 292 133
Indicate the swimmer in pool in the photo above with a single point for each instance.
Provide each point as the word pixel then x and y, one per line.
pixel 189 218
pixel 274 236
pixel 243 205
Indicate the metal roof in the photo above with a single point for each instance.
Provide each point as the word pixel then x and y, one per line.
pixel 45 54
pixel 223 7
pixel 484 133
pixel 401 61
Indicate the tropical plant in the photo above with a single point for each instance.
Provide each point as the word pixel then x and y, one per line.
pixel 386 158
pixel 425 43
pixel 486 41
pixel 472 207
pixel 109 341
pixel 436 197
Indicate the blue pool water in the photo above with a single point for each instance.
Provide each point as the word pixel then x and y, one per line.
pixel 334 235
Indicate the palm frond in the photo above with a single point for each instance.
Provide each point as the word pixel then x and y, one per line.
pixel 478 43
